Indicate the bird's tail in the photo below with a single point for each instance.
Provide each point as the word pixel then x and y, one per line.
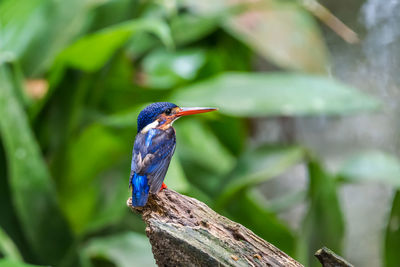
pixel 140 190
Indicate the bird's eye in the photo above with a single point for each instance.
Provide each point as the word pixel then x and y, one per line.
pixel 168 111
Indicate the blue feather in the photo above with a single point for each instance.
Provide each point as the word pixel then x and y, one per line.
pixel 153 148
pixel 151 155
pixel 140 190
pixel 150 113
pixel 149 137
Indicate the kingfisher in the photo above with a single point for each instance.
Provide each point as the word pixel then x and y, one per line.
pixel 153 148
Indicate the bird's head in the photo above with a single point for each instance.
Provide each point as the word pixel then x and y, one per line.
pixel 163 114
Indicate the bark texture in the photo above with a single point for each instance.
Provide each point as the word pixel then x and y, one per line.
pixel 329 259
pixel 185 232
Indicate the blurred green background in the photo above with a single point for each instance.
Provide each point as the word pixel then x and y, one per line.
pixel 74 75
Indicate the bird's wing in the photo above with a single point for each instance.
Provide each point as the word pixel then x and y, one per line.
pixel 152 154
pixel 157 177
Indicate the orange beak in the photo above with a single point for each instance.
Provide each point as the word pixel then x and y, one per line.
pixel 191 111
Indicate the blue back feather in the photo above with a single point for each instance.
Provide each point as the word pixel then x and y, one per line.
pixel 140 190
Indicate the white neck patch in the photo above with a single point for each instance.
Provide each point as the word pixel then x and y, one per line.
pixel 149 126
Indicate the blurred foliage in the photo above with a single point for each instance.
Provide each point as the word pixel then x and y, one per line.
pixel 75 74
pixel 8 248
pixel 392 241
pixel 122 249
pixel 323 224
pixel 372 165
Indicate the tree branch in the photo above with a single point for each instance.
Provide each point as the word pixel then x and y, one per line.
pixel 329 259
pixel 185 232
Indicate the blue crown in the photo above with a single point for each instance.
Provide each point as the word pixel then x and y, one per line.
pixel 150 113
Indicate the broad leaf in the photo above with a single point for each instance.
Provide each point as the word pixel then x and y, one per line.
pixel 7 247
pixel 280 31
pixel 392 241
pixel 201 153
pixel 36 31
pixel 13 263
pixel 257 166
pixel 91 52
pixel 199 26
pixel 92 152
pixel 113 191
pixel 8 218
pixel 323 224
pixel 197 142
pixel 225 126
pixel 280 93
pixel 283 33
pixel 19 22
pixel 175 177
pixel 124 250
pixel 31 186
pixel 163 69
pixel 372 165
pixel 123 119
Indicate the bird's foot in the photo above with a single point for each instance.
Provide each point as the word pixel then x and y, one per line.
pixel 163 186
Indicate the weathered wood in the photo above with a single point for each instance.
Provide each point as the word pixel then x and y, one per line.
pixel 329 259
pixel 185 232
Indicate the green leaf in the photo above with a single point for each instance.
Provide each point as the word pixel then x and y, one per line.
pixel 280 93
pixel 372 165
pixel 122 119
pixel 163 69
pixel 200 27
pixel 91 52
pixel 9 219
pixel 209 7
pixel 113 191
pixel 246 209
pixel 198 194
pixel 257 166
pixel 283 33
pixel 13 263
pixel 19 22
pixel 204 159
pixel 124 250
pixel 33 192
pixel 280 31
pixel 225 126
pixel 45 26
pixel 126 118
pixel 196 143
pixel 58 24
pixel 95 150
pixel 175 178
pixel 323 225
pixel 392 240
pixel 220 57
pixel 8 248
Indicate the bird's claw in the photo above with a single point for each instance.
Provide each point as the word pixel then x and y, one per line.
pixel 163 186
